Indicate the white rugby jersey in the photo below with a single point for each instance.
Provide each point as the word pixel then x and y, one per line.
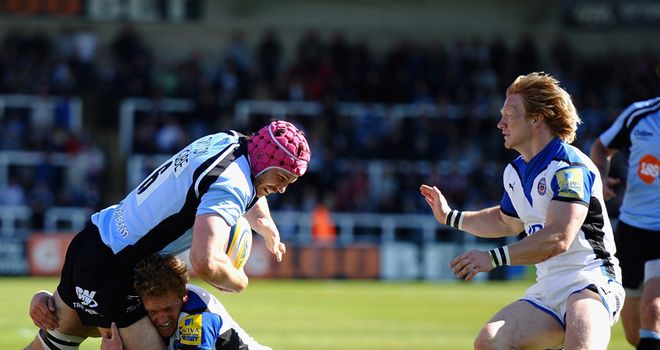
pixel 211 175
pixel 562 172
pixel 204 323
pixel 637 129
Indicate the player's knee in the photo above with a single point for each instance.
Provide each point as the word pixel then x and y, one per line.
pixel 486 339
pixel 54 340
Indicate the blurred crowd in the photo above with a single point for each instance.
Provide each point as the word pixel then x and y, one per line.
pixel 370 161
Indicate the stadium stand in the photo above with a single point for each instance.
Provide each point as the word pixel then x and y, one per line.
pixel 80 107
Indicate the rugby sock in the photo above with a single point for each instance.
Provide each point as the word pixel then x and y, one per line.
pixel 54 340
pixel 648 340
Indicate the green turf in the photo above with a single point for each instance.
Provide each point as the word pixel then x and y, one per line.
pixel 293 315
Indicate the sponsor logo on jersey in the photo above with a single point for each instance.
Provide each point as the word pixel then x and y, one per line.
pixel 118 216
pixel 190 330
pixel 649 168
pixel 642 134
pixel 541 187
pixel 86 297
pixel 570 182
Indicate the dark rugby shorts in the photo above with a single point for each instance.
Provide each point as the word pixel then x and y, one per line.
pixel 634 247
pixel 96 285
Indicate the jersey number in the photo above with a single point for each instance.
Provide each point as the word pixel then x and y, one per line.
pixel 152 178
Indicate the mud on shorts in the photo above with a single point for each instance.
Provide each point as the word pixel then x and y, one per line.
pixel 96 285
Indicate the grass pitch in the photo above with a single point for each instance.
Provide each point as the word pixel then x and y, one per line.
pixel 297 314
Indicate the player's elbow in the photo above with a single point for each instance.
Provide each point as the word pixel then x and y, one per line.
pixel 239 287
pixel 207 267
pixel 559 246
pixel 201 265
pixel 218 272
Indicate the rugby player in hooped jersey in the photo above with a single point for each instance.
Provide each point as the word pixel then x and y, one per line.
pixel 553 193
pixel 190 201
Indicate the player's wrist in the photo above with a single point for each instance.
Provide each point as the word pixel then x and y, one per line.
pixel 499 256
pixel 454 219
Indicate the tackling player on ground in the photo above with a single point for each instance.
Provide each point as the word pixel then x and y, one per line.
pixel 186 316
pixel 204 187
pixel 553 193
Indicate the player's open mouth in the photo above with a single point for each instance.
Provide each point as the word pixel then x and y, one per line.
pixel 166 324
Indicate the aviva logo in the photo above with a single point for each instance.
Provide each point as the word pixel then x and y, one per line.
pixel 190 330
pixel 86 297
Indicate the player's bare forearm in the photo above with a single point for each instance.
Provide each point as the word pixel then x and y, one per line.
pixel 601 156
pixel 220 273
pixel 562 225
pixel 262 222
pixel 537 248
pixel 207 254
pixel 490 223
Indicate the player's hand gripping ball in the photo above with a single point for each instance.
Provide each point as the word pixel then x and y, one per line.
pixel 240 243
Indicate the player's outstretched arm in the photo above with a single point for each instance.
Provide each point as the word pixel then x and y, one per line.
pixel 436 201
pixel 262 222
pixel 487 223
pixel 208 258
pixel 491 223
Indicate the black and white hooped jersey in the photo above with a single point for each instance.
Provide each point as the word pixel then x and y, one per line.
pixel 637 129
pixel 211 175
pixel 562 172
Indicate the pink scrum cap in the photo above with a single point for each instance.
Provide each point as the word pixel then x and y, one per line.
pixel 278 145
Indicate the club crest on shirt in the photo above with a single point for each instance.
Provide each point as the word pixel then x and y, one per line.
pixel 190 330
pixel 541 187
pixel 570 183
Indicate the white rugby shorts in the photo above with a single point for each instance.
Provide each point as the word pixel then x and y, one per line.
pixel 551 294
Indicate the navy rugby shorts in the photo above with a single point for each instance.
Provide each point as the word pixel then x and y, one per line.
pixel 96 284
pixel 634 247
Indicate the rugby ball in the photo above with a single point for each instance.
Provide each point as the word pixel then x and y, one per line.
pixel 239 243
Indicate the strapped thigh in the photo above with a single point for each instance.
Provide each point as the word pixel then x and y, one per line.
pixel 54 340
